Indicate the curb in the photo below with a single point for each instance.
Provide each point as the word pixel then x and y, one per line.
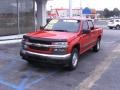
pixel 10 41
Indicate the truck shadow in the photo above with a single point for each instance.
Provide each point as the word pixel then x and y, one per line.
pixel 60 67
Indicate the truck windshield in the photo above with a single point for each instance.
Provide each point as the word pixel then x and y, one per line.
pixel 63 25
pixel 111 21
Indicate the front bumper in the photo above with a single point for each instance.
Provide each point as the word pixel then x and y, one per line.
pixel 28 55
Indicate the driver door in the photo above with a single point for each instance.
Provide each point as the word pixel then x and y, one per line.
pixel 85 37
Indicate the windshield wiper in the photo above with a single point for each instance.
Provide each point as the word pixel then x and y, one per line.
pixel 48 30
pixel 60 30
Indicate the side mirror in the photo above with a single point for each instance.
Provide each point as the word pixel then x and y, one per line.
pixel 86 31
pixel 42 27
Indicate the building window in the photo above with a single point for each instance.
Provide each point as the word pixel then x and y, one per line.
pixel 16 17
pixel 26 16
pixel 8 17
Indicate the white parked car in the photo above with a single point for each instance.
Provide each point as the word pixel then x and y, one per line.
pixel 114 23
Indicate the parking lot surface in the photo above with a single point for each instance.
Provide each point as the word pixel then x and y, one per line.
pixel 17 74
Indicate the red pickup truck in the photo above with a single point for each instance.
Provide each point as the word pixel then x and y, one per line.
pixel 61 41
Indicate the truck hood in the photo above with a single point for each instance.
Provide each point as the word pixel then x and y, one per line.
pixel 53 35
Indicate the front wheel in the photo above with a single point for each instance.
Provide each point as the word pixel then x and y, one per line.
pixel 118 27
pixel 110 27
pixel 73 60
pixel 96 48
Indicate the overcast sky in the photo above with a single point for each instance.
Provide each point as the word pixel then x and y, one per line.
pixel 97 4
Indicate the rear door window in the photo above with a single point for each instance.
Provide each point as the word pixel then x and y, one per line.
pixel 117 20
pixel 91 25
pixel 85 25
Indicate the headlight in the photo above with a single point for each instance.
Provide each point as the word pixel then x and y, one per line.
pixel 25 46
pixel 60 47
pixel 59 43
pixel 24 40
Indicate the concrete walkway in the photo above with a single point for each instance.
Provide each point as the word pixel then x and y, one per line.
pixel 11 39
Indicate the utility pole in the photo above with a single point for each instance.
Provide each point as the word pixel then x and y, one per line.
pixel 81 8
pixel 70 8
pixel 18 16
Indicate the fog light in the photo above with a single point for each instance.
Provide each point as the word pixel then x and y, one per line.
pixel 59 51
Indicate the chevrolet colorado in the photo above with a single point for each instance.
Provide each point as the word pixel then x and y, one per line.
pixel 61 41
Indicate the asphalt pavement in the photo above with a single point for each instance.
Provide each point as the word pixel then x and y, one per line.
pixel 96 71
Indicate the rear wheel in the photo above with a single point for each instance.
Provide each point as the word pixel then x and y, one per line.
pixel 118 27
pixel 96 48
pixel 73 60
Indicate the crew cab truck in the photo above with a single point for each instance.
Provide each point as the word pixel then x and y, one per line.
pixel 61 41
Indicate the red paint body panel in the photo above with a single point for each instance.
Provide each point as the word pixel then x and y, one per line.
pixel 85 41
pixel 52 35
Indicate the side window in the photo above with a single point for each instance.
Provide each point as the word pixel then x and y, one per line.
pixel 91 26
pixel 117 21
pixel 85 25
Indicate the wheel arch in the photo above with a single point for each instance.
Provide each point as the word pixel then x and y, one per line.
pixel 99 37
pixel 118 25
pixel 77 46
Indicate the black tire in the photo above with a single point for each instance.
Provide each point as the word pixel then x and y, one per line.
pixel 110 27
pixel 74 56
pixel 96 48
pixel 117 27
pixel 29 61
